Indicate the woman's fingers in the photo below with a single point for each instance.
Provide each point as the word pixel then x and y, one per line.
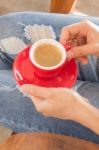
pixel 84 50
pixel 32 90
pixel 65 36
pixel 36 100
pixel 42 105
pixel 83 60
pixel 69 32
pixel 38 103
pixel 81 40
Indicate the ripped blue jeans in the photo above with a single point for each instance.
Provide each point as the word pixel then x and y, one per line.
pixel 18 112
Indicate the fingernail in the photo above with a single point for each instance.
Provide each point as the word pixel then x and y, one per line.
pixel 25 95
pixel 70 55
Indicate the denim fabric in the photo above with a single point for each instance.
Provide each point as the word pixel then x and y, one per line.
pixel 18 112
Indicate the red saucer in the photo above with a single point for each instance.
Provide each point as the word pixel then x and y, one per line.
pixel 24 74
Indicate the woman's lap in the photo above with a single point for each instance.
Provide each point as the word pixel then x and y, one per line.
pixel 18 112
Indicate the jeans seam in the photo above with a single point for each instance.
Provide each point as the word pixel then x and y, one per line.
pixel 5 121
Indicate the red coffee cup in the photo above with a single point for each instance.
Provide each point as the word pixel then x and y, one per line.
pixel 27 71
pixel 47 72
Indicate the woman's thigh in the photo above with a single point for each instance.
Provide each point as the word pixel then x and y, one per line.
pixel 18 112
pixel 4 66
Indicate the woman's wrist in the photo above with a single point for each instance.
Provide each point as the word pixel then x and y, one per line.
pixel 87 115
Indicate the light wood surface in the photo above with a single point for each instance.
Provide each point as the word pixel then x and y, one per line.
pixel 62 6
pixel 46 141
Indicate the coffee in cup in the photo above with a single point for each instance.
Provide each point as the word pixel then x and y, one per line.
pixel 48 57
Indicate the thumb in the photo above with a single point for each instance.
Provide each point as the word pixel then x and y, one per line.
pixel 84 50
pixel 36 91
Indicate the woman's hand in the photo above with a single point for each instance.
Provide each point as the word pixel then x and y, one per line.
pixel 64 104
pixel 55 102
pixel 86 35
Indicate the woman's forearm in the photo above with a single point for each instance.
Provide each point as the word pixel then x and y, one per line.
pixel 88 116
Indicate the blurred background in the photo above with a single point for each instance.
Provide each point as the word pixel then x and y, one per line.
pixel 89 7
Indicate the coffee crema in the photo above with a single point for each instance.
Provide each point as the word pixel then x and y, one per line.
pixel 47 55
